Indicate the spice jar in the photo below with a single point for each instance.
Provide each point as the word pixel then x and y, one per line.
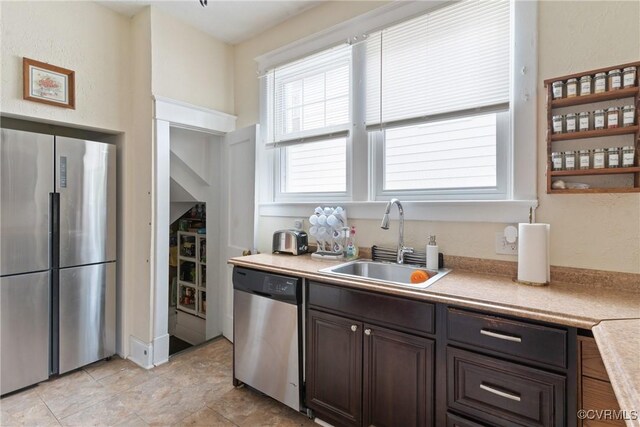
pixel 613 115
pixel 570 160
pixel 585 85
pixel 629 77
pixel 585 159
pixel 600 83
pixel 628 115
pixel 598 158
pixel 556 161
pixel 628 156
pixel 558 123
pixel 598 119
pixel 571 122
pixel 613 157
pixel 572 88
pixel 615 79
pixel 584 121
pixel 558 89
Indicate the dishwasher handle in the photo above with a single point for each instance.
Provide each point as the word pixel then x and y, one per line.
pixel 262 294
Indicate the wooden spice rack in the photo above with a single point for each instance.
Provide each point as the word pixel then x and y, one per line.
pixel 632 92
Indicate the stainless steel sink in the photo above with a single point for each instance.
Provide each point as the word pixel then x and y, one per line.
pixel 394 274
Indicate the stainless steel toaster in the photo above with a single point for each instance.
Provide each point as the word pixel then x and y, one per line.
pixel 293 242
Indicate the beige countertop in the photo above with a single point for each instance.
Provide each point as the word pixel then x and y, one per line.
pixel 582 306
pixel 619 345
pixel 613 314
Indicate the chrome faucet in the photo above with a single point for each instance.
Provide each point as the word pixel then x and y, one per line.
pixel 385 226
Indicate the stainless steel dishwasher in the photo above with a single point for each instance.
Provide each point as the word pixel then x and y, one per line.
pixel 267 330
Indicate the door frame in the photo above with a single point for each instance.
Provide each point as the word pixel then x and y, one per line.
pixel 170 113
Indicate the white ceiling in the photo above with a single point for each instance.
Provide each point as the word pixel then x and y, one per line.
pixel 232 21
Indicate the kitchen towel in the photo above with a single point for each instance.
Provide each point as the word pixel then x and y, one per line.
pixel 533 253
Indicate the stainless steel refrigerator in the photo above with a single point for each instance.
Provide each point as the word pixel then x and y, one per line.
pixel 57 255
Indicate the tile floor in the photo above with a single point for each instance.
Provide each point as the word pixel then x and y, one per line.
pixel 193 389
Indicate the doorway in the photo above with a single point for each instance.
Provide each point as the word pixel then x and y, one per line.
pixel 200 158
pixel 187 278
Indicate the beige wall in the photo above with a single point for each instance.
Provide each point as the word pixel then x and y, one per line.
pixel 189 65
pixel 589 231
pixel 81 36
pixel 137 169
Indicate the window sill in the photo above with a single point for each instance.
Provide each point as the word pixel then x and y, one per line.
pixel 499 211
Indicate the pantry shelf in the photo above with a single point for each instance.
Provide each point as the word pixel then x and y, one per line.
pixel 596 97
pixel 192 282
pixel 594 133
pixel 603 171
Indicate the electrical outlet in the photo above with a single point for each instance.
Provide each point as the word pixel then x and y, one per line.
pixel 503 247
pixel 298 224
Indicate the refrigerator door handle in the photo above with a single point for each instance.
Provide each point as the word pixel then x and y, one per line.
pixel 54 229
pixel 54 287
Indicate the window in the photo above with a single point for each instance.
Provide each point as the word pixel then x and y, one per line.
pixel 309 117
pixel 316 167
pixel 447 74
pixel 456 153
pixel 423 108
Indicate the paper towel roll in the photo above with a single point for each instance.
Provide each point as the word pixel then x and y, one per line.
pixel 533 253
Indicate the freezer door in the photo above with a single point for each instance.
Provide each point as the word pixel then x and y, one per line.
pixel 87 315
pixel 26 179
pixel 24 327
pixel 86 181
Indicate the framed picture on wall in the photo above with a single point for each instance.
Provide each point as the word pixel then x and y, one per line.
pixel 48 84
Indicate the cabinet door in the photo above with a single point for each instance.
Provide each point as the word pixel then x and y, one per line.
pixel 334 368
pixel 398 379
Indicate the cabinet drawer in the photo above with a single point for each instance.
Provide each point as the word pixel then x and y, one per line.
pixel 503 393
pixel 458 421
pixel 523 340
pixel 397 313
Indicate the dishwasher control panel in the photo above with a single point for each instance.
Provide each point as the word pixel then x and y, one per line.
pixel 279 286
pixel 273 286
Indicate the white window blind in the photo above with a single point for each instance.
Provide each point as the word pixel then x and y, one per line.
pixel 455 153
pixel 309 99
pixel 452 59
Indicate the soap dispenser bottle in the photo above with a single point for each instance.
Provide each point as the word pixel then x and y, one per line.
pixel 352 248
pixel 432 254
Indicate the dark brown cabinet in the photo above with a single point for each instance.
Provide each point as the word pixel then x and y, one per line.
pixel 380 360
pixel 334 368
pixel 363 374
pixel 398 378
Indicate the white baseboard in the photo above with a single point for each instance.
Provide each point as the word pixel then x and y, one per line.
pixel 140 352
pixel 161 350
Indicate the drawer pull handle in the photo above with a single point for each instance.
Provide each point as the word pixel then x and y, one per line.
pixel 354 328
pixel 500 393
pixel 500 336
pixel 367 331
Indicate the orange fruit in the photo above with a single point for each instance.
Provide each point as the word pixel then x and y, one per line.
pixel 419 276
